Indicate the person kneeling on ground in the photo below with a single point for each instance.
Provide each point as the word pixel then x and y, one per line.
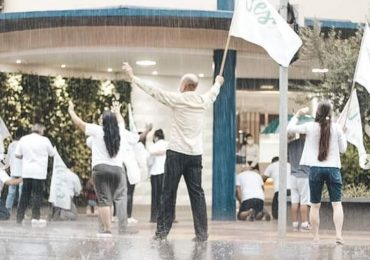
pixel 72 188
pixel 5 179
pixel 250 193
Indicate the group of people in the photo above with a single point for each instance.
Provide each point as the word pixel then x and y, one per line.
pixel 111 144
pixel 314 160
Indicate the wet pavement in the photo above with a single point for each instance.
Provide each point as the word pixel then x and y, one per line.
pixel 228 240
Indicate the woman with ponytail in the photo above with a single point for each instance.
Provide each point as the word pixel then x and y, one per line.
pixel 109 143
pixel 324 143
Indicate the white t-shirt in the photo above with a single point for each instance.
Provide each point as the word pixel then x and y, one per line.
pixel 250 184
pixel 35 150
pixel 272 171
pixel 157 157
pixel 14 162
pixel 3 178
pixel 100 153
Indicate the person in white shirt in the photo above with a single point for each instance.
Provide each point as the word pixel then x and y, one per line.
pixel 156 170
pixel 184 156
pixel 15 172
pixel 251 196
pixel 325 141
pixel 73 188
pixel 272 171
pixel 108 146
pixel 250 151
pixel 34 151
pixel 5 179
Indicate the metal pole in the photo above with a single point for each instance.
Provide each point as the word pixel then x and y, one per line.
pixel 283 143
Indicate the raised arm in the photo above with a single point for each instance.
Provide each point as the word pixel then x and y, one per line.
pixel 167 98
pixel 116 109
pixel 211 95
pixel 76 120
pixel 293 126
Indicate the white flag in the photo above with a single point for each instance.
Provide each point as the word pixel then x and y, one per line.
pixel 59 194
pixel 353 126
pixel 362 75
pixel 4 132
pixel 257 21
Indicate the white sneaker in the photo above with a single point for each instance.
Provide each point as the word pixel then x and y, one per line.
pixel 104 234
pixel 305 227
pixel 38 222
pixel 42 222
pixel 132 221
pixel 295 226
pixel 34 222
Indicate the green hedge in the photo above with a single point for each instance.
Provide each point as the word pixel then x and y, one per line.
pixel 25 99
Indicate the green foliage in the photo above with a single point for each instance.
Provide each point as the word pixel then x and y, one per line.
pixel 25 99
pixel 339 56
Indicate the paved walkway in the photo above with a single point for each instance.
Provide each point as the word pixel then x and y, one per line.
pixel 228 240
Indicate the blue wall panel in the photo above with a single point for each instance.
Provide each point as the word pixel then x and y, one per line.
pixel 224 134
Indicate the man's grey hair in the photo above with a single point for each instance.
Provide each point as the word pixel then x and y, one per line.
pixel 38 128
pixel 190 80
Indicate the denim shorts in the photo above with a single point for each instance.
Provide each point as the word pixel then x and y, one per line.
pixel 333 179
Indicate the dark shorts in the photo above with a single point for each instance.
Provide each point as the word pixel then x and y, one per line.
pixel 106 179
pixel 256 204
pixel 333 179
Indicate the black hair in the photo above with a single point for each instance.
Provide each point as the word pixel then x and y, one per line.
pixel 112 136
pixel 275 159
pixel 324 119
pixel 159 134
pixel 18 133
pixel 70 163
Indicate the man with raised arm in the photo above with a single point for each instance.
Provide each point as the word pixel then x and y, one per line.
pixel 184 155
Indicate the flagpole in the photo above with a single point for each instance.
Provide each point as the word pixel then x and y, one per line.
pixel 225 55
pixel 283 139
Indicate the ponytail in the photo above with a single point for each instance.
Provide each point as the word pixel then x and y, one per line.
pixel 324 119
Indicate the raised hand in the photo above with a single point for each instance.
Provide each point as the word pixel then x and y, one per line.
pixel 128 72
pixel 71 106
pixel 219 79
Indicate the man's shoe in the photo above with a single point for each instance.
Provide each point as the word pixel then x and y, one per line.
pixel 252 215
pixel 199 239
pixel 259 215
pixel 159 238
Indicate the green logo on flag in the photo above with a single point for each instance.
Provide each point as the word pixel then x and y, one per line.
pixel 261 11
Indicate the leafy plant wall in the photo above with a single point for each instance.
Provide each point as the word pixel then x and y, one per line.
pixel 25 99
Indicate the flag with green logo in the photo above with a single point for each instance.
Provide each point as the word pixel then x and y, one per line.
pixel 258 22
pixel 362 75
pixel 353 127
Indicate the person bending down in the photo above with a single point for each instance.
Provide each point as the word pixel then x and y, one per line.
pixel 250 194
